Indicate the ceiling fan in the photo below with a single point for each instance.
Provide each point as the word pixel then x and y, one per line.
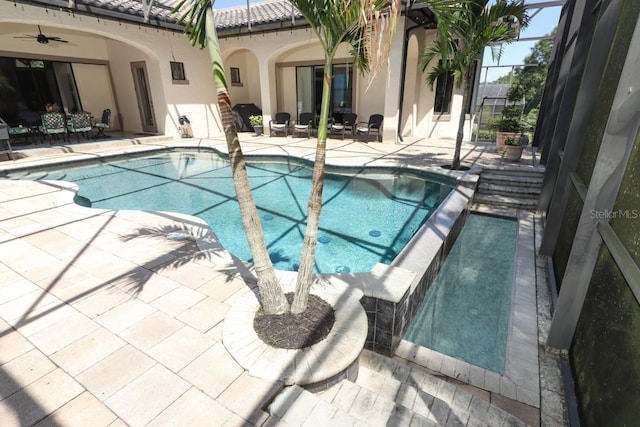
pixel 41 38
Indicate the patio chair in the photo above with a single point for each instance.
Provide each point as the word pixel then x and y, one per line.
pixel 280 124
pixel 367 128
pixel 53 124
pixel 80 124
pixel 20 132
pixel 103 124
pixel 343 125
pixel 304 125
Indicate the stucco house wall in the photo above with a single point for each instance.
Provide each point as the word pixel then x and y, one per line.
pixel 116 44
pixel 291 48
pixel 266 62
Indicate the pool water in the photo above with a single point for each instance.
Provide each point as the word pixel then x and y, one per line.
pixel 367 217
pixel 465 313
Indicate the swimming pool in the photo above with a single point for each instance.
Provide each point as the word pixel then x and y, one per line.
pixel 465 313
pixel 368 215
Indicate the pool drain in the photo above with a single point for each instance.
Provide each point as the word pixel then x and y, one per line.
pixel 324 239
pixel 374 233
pixel 268 217
pixel 343 269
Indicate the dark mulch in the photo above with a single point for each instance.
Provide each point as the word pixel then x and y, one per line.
pixel 295 331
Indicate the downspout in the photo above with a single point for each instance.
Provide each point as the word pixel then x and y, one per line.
pixel 403 78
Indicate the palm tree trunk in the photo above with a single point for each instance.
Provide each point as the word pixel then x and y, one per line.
pixel 314 206
pixel 465 100
pixel 271 295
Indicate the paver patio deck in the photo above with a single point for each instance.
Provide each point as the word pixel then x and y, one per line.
pixel 106 318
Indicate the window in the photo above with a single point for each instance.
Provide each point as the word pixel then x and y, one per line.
pixel 444 92
pixel 235 76
pixel 177 72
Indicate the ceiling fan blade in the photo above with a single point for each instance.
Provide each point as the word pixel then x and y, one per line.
pixel 25 37
pixel 57 39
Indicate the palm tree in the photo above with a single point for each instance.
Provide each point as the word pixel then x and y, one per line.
pixel 200 25
pixel 336 22
pixel 366 25
pixel 476 27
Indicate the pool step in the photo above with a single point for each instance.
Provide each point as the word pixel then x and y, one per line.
pixel 387 393
pixel 509 186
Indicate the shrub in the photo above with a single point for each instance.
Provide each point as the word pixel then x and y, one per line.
pixel 255 120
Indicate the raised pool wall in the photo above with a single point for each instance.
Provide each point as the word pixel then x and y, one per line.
pixel 393 293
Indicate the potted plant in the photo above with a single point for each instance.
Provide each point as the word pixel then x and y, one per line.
pixel 510 124
pixel 256 122
pixel 513 147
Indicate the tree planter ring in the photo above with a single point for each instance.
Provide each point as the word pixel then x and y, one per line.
pixel 315 367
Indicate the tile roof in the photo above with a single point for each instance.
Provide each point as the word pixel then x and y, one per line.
pixel 262 13
pixel 267 12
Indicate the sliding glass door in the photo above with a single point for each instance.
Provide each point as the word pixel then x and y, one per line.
pixel 309 82
pixel 29 87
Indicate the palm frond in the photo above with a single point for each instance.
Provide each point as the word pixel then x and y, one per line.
pixel 476 25
pixel 194 18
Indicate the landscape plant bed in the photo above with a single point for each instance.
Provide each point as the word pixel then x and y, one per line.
pixel 296 331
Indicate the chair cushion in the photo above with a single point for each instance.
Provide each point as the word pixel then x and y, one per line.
pixel 18 131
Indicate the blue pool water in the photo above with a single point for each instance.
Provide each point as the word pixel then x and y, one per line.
pixel 367 217
pixel 465 313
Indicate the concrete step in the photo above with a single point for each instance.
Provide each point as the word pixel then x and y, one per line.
pixel 514 170
pixel 387 393
pixel 509 190
pixel 501 179
pixel 500 200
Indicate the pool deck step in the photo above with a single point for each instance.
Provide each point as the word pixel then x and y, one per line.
pixel 500 200
pixel 509 190
pixel 501 179
pixel 509 186
pixel 388 393
pixel 534 172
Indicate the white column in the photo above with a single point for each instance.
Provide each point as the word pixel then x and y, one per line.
pixel 393 88
pixel 268 93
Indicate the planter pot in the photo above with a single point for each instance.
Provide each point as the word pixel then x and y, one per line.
pixel 513 153
pixel 258 130
pixel 316 367
pixel 501 137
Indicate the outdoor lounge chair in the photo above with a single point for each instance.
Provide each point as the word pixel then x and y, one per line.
pixel 54 124
pixel 368 128
pixel 103 124
pixel 80 123
pixel 304 125
pixel 280 124
pixel 343 125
